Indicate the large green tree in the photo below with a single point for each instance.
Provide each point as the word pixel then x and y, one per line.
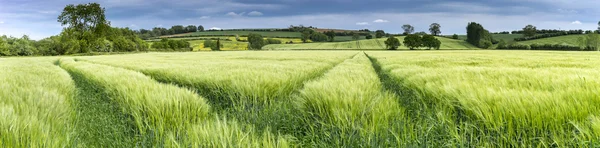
pixel 477 35
pixel 435 29
pixel 392 43
pixel 86 23
pixel 412 41
pixel 305 36
pixel 255 41
pixel 355 36
pixel 408 29
pixel 529 31
pixel 431 42
pixel 379 33
pixel 85 18
pixel 191 28
pixel 318 37
pixel 200 28
pixel 331 35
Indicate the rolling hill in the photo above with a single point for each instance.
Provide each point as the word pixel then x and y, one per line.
pixel 365 44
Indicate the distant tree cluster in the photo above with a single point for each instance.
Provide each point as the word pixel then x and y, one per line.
pixel 87 30
pixel 256 41
pixel 414 41
pixel 213 45
pixel 174 45
pixel 379 34
pixel 330 35
pixel 160 31
pixel 300 28
pixel 455 36
pixel 319 37
pixel 529 31
pixel 503 32
pixel 478 36
pixel 546 31
pixel 392 43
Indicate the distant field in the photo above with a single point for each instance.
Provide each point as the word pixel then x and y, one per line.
pixel 568 39
pixel 366 44
pixel 233 33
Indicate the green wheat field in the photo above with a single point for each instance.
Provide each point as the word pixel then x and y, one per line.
pixel 284 99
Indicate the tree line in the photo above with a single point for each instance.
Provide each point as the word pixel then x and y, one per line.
pixel 160 31
pixel 86 30
pixel 413 40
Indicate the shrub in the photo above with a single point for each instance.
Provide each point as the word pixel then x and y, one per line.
pixel 256 41
pixel 485 44
pixel 392 43
pixel 318 37
pixel 272 41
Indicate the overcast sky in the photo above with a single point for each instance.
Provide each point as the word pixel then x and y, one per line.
pixel 37 18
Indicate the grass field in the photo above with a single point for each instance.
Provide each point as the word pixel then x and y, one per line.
pixel 367 44
pixel 477 98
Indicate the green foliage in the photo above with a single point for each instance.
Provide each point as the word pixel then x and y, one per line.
pixel 305 36
pixel 87 31
pixel 501 44
pixel 330 35
pixel 529 31
pixel 213 45
pixel 200 28
pixel 355 36
pixel 369 36
pixel 413 41
pixel 392 43
pixel 421 33
pixel 172 45
pixel 86 22
pixel 318 37
pixel 408 29
pixel 478 36
pixel 435 29
pixel 191 28
pixel 431 42
pixel 485 44
pixel 369 45
pixel 455 36
pixel 256 41
pixel 272 41
pixel 379 33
